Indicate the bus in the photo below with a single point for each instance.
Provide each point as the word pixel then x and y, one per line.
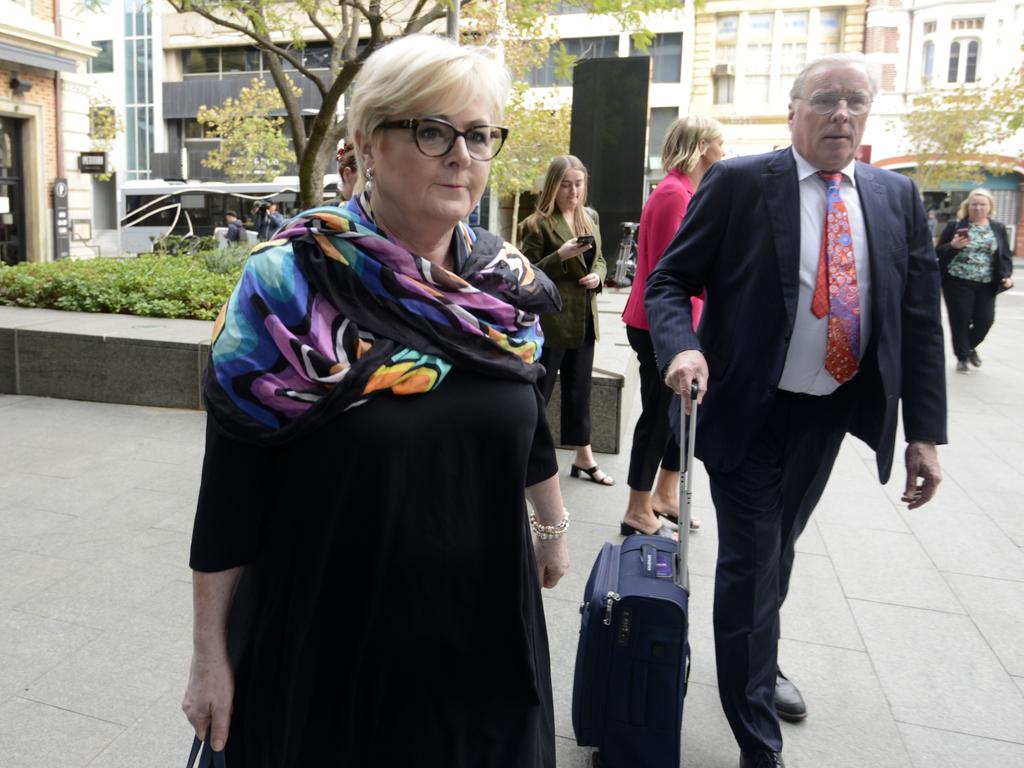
pixel 154 208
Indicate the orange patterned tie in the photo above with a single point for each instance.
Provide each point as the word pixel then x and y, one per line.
pixel 835 292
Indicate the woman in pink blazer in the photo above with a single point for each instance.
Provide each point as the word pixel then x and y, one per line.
pixel 692 145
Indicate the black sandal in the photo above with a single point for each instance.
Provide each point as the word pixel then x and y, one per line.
pixel 575 472
pixel 625 529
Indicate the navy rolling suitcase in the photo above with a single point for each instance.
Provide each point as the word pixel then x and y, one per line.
pixel 633 658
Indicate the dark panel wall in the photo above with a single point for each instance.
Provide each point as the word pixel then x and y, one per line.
pixel 609 130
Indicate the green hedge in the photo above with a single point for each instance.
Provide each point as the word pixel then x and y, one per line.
pixel 151 285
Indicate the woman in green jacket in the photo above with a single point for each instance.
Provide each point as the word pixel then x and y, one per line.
pixel 562 239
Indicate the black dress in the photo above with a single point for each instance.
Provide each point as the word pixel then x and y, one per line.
pixel 390 612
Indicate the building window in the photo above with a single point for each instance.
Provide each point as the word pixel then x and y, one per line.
pixel 138 70
pixel 563 7
pixel 725 84
pixel 201 61
pixel 929 27
pixel 794 25
pixel 759 25
pixel 963 61
pixel 103 62
pixel 971 70
pixel 657 129
pixel 580 47
pixel 794 57
pixel 758 67
pixel 726 27
pixel 928 63
pixel 666 52
pixel 975 23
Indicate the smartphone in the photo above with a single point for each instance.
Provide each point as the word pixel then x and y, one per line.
pixel 586 240
pixel 962 232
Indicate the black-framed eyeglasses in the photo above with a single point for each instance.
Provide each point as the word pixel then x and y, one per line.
pixel 826 102
pixel 436 137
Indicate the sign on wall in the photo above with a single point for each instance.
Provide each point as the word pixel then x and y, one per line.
pixel 92 162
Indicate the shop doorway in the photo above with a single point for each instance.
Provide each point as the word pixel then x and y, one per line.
pixel 12 197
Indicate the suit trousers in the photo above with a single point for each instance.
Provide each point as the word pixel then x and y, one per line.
pixel 971 307
pixel 577 369
pixel 653 440
pixel 762 507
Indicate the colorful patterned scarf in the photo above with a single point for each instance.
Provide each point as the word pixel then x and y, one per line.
pixel 331 311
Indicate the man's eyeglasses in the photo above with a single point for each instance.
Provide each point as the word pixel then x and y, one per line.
pixel 826 102
pixel 435 137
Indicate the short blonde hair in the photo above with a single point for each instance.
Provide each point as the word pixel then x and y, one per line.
pixel 424 75
pixel 681 151
pixel 961 212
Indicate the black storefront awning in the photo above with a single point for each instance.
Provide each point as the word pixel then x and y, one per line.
pixel 30 58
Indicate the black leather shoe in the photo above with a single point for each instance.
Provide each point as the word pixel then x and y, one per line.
pixel 788 701
pixel 761 759
pixel 961 366
pixel 974 359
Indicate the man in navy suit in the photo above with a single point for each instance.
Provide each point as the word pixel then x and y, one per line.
pixel 821 314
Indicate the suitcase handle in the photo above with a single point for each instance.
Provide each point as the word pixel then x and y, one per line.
pixel 687 441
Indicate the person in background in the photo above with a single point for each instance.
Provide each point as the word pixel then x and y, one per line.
pixel 555 239
pixel 693 145
pixel 236 230
pixel 822 317
pixel 268 221
pixel 974 257
pixel 363 564
pixel 348 170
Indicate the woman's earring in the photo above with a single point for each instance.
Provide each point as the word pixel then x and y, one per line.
pixel 369 174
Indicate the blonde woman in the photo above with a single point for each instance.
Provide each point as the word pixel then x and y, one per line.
pixel 693 144
pixel 562 238
pixel 380 358
pixel 974 255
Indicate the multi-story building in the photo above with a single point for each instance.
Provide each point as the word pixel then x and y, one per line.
pixel 747 54
pixel 945 44
pixel 43 124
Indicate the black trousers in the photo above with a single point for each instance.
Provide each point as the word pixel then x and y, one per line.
pixel 653 440
pixel 762 507
pixel 971 307
pixel 577 368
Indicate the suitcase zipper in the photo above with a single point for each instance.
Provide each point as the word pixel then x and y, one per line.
pixel 610 600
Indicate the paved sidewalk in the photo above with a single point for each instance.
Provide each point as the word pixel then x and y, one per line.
pixel 903 629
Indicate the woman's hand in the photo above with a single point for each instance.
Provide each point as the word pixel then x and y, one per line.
pixel 591 281
pixel 570 249
pixel 1007 282
pixel 552 560
pixel 208 697
pixel 959 240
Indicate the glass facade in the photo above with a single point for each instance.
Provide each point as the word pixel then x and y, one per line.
pixel 138 56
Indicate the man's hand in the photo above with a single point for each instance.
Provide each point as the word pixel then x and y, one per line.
pixel 686 367
pixel 590 281
pixel 923 473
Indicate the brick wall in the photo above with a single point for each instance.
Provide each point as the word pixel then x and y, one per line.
pixel 881 40
pixel 43 9
pixel 43 94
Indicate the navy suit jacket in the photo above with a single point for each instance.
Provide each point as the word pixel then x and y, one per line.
pixel 740 241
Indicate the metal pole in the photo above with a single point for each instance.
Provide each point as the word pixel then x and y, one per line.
pixel 453 20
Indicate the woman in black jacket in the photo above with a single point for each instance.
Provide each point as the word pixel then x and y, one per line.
pixel 974 255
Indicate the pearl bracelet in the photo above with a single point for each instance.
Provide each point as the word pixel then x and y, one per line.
pixel 549 532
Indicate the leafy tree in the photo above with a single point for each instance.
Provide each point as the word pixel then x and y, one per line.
pixel 253 146
pixel 537 132
pixel 104 125
pixel 952 133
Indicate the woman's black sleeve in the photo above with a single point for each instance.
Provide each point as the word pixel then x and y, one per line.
pixel 232 501
pixel 543 463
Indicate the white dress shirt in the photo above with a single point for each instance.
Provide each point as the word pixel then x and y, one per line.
pixel 805 360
